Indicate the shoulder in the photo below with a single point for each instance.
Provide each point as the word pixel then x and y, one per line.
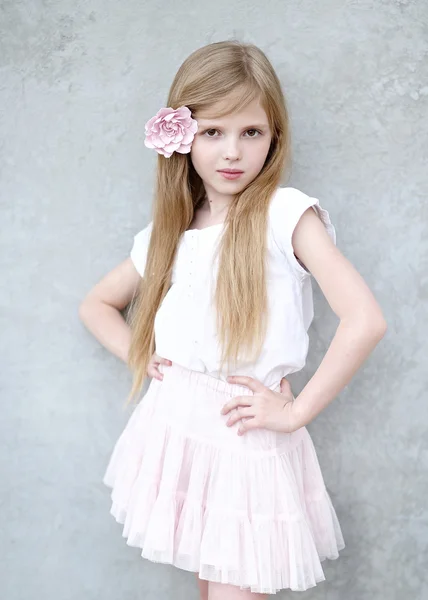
pixel 140 247
pixel 290 202
pixel 286 196
pixel 144 234
pixel 287 206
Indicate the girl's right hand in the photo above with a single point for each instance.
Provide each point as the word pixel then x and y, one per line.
pixel 153 366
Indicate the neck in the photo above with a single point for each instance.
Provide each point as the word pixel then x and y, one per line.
pixel 215 204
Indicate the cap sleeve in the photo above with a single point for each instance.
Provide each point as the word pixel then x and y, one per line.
pixel 287 207
pixel 140 247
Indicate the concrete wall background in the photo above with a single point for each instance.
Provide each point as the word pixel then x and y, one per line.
pixel 78 80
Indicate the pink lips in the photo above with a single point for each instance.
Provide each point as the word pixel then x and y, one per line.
pixel 231 173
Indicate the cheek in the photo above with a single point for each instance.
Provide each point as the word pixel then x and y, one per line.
pixel 257 156
pixel 202 155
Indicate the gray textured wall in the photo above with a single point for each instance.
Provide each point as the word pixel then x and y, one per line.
pixel 78 80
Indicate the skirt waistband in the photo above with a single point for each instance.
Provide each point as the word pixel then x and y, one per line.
pixel 203 379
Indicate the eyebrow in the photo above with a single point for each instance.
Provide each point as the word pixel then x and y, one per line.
pixel 206 122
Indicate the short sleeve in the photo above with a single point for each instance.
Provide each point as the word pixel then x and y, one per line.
pixel 288 205
pixel 140 247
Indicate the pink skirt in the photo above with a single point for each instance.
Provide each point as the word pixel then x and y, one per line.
pixel 251 510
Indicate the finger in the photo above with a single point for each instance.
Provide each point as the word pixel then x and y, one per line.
pixel 285 389
pixel 245 426
pixel 237 401
pixel 152 371
pixel 165 361
pixel 155 374
pixel 240 414
pixel 254 384
pixel 285 385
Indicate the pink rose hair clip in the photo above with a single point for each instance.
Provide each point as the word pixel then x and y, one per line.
pixel 171 130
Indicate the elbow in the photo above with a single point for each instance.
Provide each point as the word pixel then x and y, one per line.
pixel 83 310
pixel 374 326
pixel 378 324
pixel 379 328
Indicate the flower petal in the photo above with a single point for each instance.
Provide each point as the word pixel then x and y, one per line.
pixel 188 137
pixel 157 141
pixel 165 137
pixel 183 149
pixel 171 147
pixel 171 130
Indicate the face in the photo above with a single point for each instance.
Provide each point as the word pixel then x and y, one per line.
pixel 238 141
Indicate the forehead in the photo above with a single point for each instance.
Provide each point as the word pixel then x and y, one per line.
pixel 252 112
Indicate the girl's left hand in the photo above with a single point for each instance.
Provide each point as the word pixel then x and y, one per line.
pixel 265 409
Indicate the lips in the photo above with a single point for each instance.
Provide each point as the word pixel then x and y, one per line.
pixel 230 171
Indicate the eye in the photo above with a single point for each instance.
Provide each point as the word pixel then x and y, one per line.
pixel 208 132
pixel 254 130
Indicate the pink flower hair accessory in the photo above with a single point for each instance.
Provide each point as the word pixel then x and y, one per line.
pixel 171 130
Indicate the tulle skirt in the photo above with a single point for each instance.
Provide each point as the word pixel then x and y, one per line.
pixel 251 510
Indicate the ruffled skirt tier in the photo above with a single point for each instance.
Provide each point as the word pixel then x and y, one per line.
pixel 251 511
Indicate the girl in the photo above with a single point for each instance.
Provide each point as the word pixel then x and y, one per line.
pixel 215 471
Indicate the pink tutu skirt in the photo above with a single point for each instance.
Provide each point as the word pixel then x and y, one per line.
pixel 251 510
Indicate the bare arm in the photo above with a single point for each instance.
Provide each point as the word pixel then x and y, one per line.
pixel 362 324
pixel 100 309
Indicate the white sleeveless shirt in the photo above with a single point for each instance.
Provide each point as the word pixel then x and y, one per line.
pixel 185 330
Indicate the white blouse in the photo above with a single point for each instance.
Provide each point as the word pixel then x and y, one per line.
pixel 185 322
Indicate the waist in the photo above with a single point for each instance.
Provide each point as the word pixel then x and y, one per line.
pixel 217 384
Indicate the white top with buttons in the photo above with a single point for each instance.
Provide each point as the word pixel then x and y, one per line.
pixel 185 322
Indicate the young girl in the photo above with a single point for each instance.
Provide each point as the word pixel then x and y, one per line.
pixel 215 471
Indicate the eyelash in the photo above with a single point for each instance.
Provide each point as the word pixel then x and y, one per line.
pixel 251 129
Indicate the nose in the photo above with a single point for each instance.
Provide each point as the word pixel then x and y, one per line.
pixel 232 149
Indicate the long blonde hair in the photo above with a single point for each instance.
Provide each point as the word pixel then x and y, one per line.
pixel 241 72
